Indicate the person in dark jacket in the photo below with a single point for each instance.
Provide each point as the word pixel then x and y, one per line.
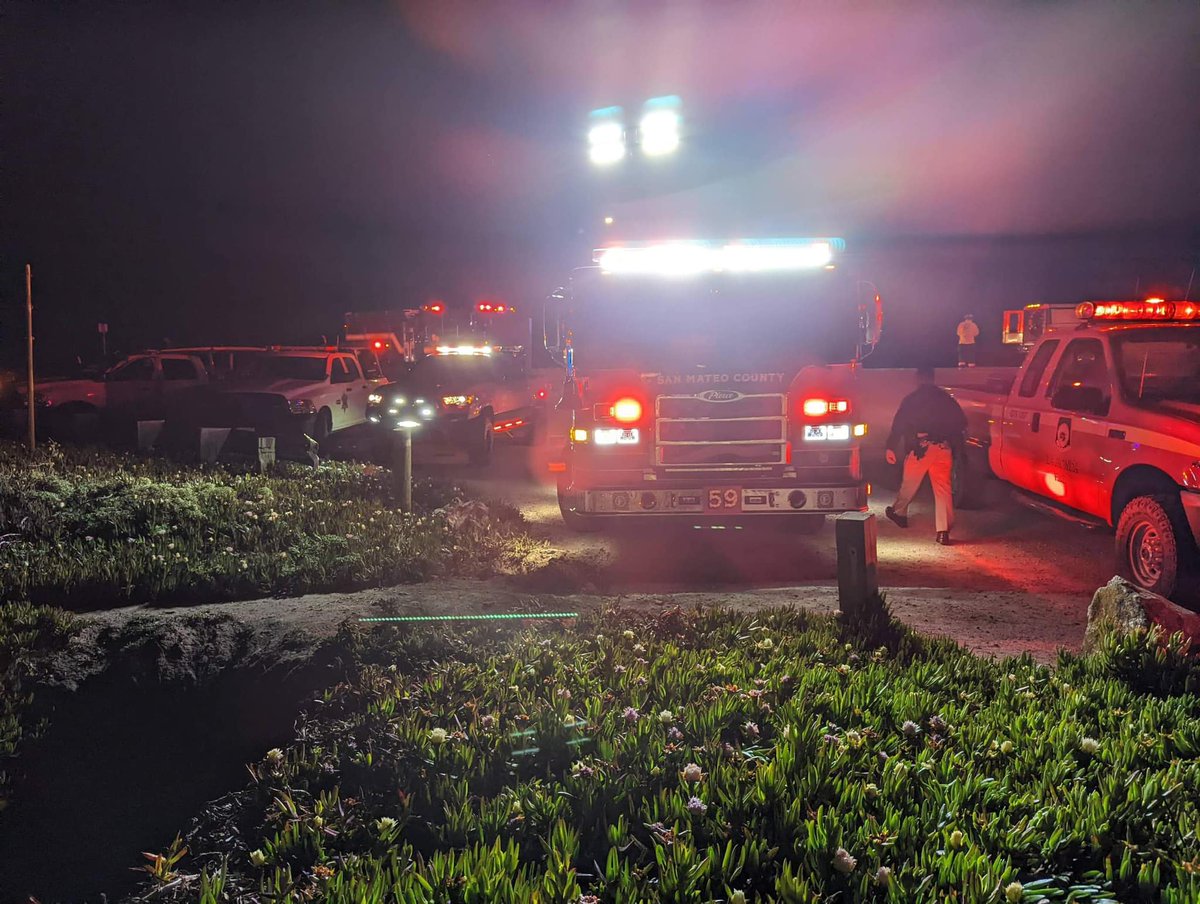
pixel 929 428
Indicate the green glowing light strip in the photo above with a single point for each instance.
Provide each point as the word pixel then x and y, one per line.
pixel 434 618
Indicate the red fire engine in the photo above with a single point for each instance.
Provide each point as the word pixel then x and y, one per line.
pixel 700 385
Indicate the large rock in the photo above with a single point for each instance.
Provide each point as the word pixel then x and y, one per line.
pixel 1121 607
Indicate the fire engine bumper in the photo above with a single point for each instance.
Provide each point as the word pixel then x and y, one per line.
pixel 726 498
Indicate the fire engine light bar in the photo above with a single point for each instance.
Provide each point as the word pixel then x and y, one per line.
pixel 691 258
pixel 464 349
pixel 1150 309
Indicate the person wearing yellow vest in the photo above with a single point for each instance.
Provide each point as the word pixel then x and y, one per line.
pixel 968 332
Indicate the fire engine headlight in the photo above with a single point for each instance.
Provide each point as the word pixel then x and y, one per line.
pixel 615 436
pixel 302 406
pixel 457 401
pixel 375 398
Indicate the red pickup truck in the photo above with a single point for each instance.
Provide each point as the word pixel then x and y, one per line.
pixel 1103 420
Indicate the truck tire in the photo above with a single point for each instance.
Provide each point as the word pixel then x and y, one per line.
pixel 483 442
pixel 966 483
pixel 1153 544
pixel 581 524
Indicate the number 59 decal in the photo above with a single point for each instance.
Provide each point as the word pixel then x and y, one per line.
pixel 730 498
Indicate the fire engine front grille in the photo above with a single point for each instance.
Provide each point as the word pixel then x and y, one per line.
pixel 720 427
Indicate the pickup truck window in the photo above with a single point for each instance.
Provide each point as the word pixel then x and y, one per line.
pixel 340 372
pixel 179 369
pixel 1159 365
pixel 1037 367
pixel 141 369
pixel 1083 367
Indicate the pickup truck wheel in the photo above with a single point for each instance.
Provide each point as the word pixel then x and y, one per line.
pixel 581 524
pixel 965 484
pixel 1151 541
pixel 485 439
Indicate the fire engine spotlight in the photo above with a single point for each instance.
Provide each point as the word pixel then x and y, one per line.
pixel 606 143
pixel 659 129
pixel 660 133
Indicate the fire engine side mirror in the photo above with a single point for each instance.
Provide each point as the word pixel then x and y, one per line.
pixel 572 398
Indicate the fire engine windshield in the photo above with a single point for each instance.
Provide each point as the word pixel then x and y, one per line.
pixel 1160 365
pixel 648 323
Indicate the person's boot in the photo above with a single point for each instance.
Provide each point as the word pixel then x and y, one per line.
pixel 898 520
pixel 943 537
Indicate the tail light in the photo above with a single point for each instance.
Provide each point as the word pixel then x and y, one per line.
pixel 822 407
pixel 626 411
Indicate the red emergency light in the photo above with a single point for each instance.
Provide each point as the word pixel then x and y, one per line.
pixel 435 307
pixel 627 410
pixel 822 407
pixel 1150 309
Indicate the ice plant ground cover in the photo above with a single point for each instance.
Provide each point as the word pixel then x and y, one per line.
pixel 88 528
pixel 717 757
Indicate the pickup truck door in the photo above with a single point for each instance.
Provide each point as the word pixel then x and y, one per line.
pixel 1078 444
pixel 349 392
pixel 180 373
pixel 1021 424
pixel 133 388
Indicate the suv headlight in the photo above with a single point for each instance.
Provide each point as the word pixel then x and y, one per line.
pixel 375 399
pixel 302 406
pixel 457 401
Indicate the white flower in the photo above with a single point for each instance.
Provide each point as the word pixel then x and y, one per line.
pixel 737 897
pixel 843 862
pixel 1089 746
pixel 628 634
pixel 910 728
pixel 666 717
pixel 437 736
pixel 883 876
pixel 385 824
pixel 956 839
pixel 1013 892
pixel 765 644
pixel 258 858
pixel 871 791
pixel 1006 747
pixel 692 773
pixel 639 648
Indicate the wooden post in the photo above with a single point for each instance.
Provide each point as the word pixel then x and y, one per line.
pixel 30 388
pixel 856 560
pixel 266 453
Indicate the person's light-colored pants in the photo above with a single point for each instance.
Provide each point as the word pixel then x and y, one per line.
pixel 938 463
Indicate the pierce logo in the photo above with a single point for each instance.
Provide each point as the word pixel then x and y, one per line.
pixel 720 395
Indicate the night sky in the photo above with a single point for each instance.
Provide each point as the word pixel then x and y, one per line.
pixel 247 171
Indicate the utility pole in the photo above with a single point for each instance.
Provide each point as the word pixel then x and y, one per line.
pixel 29 386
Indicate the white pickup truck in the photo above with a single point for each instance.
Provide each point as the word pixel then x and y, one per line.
pixel 1103 420
pixel 326 389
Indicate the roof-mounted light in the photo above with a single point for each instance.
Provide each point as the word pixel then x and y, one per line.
pixel 1151 309
pixel 465 350
pixel 688 258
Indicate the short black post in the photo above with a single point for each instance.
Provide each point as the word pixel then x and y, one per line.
pixel 858 581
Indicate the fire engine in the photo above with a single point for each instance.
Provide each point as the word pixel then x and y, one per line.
pixel 698 386
pixel 1103 421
